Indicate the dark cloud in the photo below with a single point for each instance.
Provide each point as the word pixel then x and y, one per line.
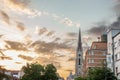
pixel 13 45
pixel 116 24
pixel 116 7
pixel 101 28
pixel 42 31
pixel 71 34
pixel 97 30
pixel 48 47
pixel 56 39
pixel 6 57
pixel 28 58
pixel 20 26
pixel 5 17
pixel 71 59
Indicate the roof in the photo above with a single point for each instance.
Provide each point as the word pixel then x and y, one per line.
pixel 99 45
pixel 116 34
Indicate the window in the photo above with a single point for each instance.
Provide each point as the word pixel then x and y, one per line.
pixel 109 59
pixel 91 52
pixel 119 42
pixel 104 53
pixel 79 62
pixel 91 60
pixel 116 57
pixel 95 46
pixel 116 70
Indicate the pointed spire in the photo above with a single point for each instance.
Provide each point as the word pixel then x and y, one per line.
pixel 79 48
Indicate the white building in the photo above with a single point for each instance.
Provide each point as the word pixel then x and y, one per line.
pixel 116 40
pixel 14 74
pixel 110 34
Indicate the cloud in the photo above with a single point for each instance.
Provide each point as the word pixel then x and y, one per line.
pixel 41 31
pixel 56 39
pixel 116 8
pixel 51 60
pixel 20 26
pixel 3 56
pixel 69 70
pixel 20 3
pixel 72 34
pixel 6 57
pixel 18 62
pixel 5 17
pixel 97 30
pixel 67 22
pixel 2 53
pixel 71 59
pixel 50 33
pixel 18 46
pixel 61 56
pixel 1 35
pixel 48 47
pixel 116 24
pixel 28 58
pixel 21 7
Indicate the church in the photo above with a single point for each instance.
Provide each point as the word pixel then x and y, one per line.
pixel 79 57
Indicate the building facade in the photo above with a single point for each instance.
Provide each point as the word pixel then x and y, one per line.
pixel 95 56
pixel 116 40
pixel 111 32
pixel 79 57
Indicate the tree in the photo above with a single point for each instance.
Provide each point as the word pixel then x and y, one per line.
pixel 32 71
pixel 36 71
pixel 80 78
pixel 3 75
pixel 50 72
pixel 102 73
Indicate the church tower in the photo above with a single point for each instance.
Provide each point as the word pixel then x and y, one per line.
pixel 79 57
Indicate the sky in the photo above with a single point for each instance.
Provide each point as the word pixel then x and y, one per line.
pixel 46 31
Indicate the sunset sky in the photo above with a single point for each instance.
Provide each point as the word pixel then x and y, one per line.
pixel 46 31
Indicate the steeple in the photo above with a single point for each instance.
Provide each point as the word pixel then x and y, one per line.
pixel 79 47
pixel 79 56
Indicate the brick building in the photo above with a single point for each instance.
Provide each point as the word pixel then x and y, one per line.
pixel 95 56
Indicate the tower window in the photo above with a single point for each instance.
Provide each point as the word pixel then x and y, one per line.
pixel 79 61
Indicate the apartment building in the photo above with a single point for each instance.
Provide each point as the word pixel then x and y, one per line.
pixel 96 55
pixel 116 50
pixel 111 32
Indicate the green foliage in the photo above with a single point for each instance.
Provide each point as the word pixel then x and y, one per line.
pixel 36 71
pixel 80 78
pixel 32 72
pixel 101 74
pixel 50 73
pixel 3 75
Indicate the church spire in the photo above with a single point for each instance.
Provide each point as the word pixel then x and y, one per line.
pixel 79 47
